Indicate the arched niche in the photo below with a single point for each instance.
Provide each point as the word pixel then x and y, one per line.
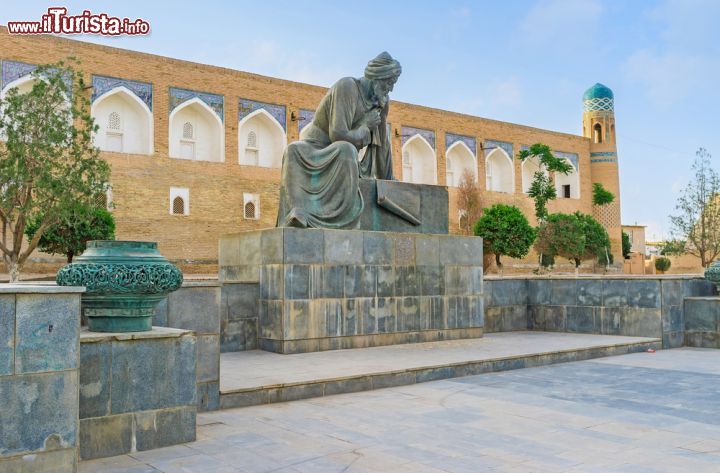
pixel 562 181
pixel 419 165
pixel 196 132
pixel 529 167
pixel 499 172
pixel 125 123
pixel 459 159
pixel 261 140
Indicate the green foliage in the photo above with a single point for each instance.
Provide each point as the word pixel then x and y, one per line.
pixel 48 162
pixel 697 220
pixel 597 240
pixel 576 237
pixel 561 235
pixel 662 264
pixel 505 232
pixel 71 232
pixel 542 188
pixel 601 196
pixel 673 248
pixel 626 245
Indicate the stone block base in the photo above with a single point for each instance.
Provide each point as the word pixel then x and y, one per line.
pixel 702 322
pixel 289 347
pixel 137 391
pixel 327 289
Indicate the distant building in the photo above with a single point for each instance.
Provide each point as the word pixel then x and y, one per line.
pixel 637 238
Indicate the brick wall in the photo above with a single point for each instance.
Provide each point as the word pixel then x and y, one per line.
pixel 141 183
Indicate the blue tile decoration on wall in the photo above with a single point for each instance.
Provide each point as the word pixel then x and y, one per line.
pixel 451 139
pixel 13 70
pixel 572 157
pixel 603 153
pixel 104 84
pixel 247 106
pixel 179 96
pixel 490 145
pixel 306 116
pixel 409 131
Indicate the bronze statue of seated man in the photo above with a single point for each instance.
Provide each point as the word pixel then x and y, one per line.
pixel 320 174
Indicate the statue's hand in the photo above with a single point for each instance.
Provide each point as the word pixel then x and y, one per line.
pixel 372 118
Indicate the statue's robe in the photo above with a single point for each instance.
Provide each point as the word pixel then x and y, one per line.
pixel 320 174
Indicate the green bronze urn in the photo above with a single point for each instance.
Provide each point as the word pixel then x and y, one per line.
pixel 124 281
pixel 712 274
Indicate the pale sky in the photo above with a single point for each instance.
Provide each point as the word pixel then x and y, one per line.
pixel 525 62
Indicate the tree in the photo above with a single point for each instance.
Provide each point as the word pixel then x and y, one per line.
pixel 698 211
pixel 562 235
pixel 673 248
pixel 542 189
pixel 597 240
pixel 601 196
pixel 48 162
pixel 468 202
pixel 70 233
pixel 505 232
pixel 626 245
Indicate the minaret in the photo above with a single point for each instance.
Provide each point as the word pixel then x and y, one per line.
pixel 599 126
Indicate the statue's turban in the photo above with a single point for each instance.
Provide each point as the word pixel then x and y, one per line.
pixel 383 67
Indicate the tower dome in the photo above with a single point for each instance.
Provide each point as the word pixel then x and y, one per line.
pixel 599 97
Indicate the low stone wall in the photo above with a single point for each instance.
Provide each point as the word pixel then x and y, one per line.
pixel 702 322
pixel 329 289
pixel 39 352
pixel 137 391
pixel 609 305
pixel 198 306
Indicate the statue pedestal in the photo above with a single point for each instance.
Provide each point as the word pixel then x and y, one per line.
pixel 330 289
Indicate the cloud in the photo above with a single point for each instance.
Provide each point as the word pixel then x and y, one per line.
pixel 269 58
pixel 494 99
pixel 689 24
pixel 561 23
pixel 667 77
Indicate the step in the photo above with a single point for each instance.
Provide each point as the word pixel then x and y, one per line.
pixel 257 377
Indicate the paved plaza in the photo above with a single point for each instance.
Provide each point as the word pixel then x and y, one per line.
pixel 643 412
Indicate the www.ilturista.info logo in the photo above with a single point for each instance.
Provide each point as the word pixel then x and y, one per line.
pixel 57 21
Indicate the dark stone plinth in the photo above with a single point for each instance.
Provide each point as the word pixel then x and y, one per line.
pixel 702 322
pixel 139 386
pixel 39 344
pixel 328 289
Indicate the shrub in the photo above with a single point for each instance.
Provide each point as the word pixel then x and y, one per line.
pixel 662 264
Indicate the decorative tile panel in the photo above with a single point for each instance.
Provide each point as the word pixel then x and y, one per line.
pixel 409 131
pixel 604 104
pixel 572 157
pixel 247 106
pixel 490 145
pixel 306 116
pixel 180 96
pixel 13 70
pixel 603 153
pixel 451 139
pixel 103 84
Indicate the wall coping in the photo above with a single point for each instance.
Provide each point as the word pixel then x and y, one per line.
pixel 35 288
pixel 703 298
pixel 157 332
pixel 202 283
pixel 647 277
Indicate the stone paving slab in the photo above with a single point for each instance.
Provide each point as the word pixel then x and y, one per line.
pixel 643 412
pixel 258 377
